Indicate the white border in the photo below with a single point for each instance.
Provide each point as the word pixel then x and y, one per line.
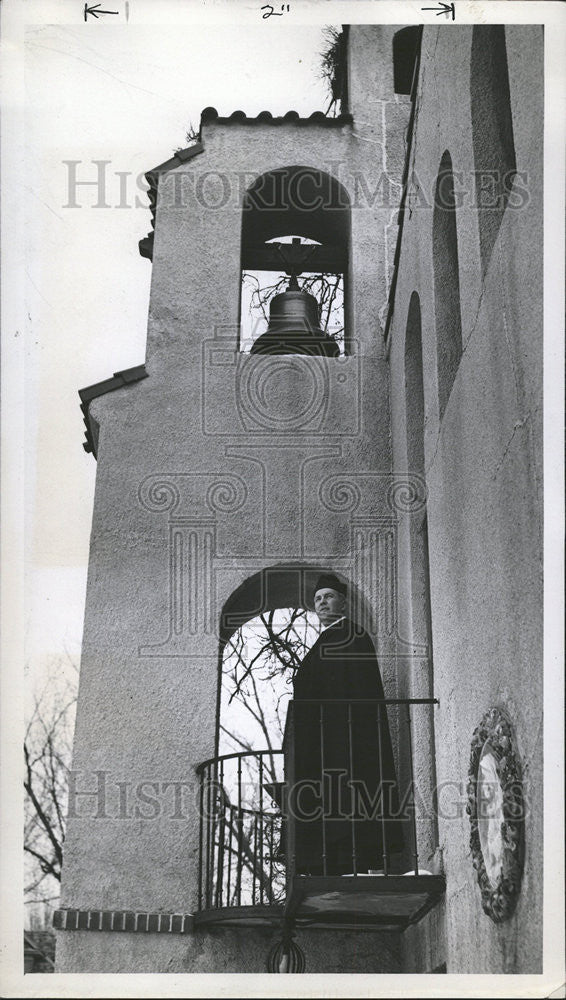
pixel 14 13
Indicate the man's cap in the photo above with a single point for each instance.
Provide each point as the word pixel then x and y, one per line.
pixel 330 581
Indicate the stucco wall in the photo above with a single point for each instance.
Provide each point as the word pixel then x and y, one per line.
pixel 195 456
pixel 183 462
pixel 223 950
pixel 483 471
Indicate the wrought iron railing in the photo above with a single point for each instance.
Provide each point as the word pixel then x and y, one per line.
pixel 249 826
pixel 387 728
pixel 240 856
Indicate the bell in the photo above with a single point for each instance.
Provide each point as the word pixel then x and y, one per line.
pixel 294 326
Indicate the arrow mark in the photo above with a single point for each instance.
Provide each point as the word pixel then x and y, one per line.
pixel 445 8
pixel 96 12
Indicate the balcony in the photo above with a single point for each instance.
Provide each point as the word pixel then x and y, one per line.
pixel 252 867
pixel 242 870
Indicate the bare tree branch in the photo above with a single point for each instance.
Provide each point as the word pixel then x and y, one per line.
pixel 46 759
pixel 47 867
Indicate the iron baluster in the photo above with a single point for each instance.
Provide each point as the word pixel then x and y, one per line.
pixel 261 827
pixel 221 835
pixel 200 858
pixel 351 755
pixel 230 834
pixel 213 836
pixel 240 832
pixel 412 789
pixel 272 848
pixel 324 866
pixel 254 865
pixel 382 794
pixel 208 832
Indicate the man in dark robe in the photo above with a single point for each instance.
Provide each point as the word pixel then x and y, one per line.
pixel 345 800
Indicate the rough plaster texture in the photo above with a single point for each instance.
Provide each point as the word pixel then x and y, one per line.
pixel 424 944
pixel 225 950
pixel 483 471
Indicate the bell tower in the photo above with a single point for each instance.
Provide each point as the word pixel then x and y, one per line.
pixel 220 464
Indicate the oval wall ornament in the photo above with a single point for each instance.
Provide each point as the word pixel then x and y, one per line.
pixel 495 808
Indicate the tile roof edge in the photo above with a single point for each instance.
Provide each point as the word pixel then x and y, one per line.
pixel 152 176
pixel 179 157
pixel 118 381
pixel 210 116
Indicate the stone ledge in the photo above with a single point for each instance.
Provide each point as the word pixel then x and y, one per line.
pixel 123 920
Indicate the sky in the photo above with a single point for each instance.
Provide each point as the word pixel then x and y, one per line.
pixel 125 94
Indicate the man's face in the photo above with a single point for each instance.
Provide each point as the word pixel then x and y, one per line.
pixel 329 605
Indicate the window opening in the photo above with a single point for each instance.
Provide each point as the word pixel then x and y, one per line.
pixel 258 664
pixel 406 47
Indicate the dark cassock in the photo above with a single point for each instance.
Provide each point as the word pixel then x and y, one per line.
pixel 354 803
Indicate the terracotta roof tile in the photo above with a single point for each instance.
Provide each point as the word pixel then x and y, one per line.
pixel 210 115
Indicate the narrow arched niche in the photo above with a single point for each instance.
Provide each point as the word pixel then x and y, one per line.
pixel 422 680
pixel 415 422
pixel 492 132
pixel 414 392
pixel 406 48
pixel 446 282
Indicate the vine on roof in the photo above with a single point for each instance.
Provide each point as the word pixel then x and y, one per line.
pixel 333 66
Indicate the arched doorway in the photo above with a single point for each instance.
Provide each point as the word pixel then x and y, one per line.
pixel 253 836
pixel 271 614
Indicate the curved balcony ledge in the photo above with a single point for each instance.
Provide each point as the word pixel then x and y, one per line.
pixel 258 915
pixel 248 869
pixel 363 901
pixel 355 902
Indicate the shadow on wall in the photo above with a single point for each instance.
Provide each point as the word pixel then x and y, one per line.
pixel 446 282
pixel 492 133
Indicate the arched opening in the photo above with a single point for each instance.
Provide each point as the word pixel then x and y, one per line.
pixel 414 391
pixel 254 841
pixel 295 236
pixel 446 282
pixel 258 663
pixel 415 423
pixel 492 132
pixel 422 681
pixel 266 628
pixel 406 48
pixel 270 616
